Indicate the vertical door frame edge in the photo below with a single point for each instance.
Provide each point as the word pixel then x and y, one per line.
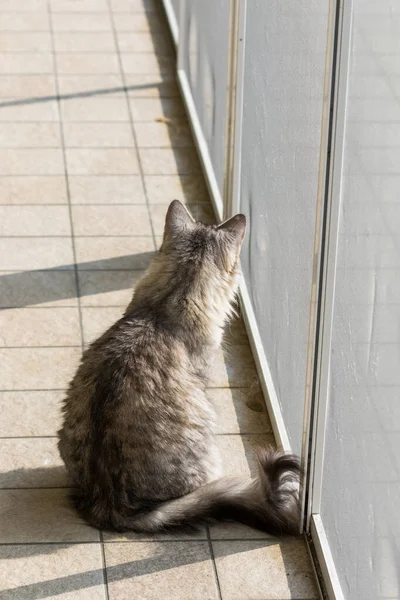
pixel 194 121
pixel 321 376
pixel 172 19
pixel 232 206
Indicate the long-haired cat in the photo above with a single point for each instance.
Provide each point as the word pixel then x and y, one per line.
pixel 138 431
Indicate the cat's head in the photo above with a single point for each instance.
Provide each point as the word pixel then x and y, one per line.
pixel 195 273
pixel 212 248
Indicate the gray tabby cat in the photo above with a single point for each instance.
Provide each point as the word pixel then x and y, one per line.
pixel 138 431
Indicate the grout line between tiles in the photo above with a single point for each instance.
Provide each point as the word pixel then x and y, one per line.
pixel 123 75
pixel 64 270
pixel 228 387
pixel 57 270
pixel 104 563
pixel 50 437
pixel 37 347
pixel 100 204
pixel 214 564
pixel 63 205
pixel 140 541
pixel 40 237
pixel 116 147
pixel 64 389
pixel 74 254
pixel 27 437
pixel 84 52
pixel 175 174
pixel 91 31
pixel 32 306
pixel 37 487
pixel 33 390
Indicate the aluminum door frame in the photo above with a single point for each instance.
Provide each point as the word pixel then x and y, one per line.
pixel 318 398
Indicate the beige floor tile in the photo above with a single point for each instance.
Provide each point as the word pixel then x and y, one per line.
pixel 158 43
pixel 152 86
pixel 29 21
pixel 111 220
pixel 158 213
pixel 233 368
pixel 31 161
pixel 237 452
pixel 38 368
pixel 110 288
pixel 59 572
pixel 26 62
pixel 151 109
pixel 41 515
pixel 96 321
pixel 159 570
pixel 84 42
pixel 134 6
pixel 30 413
pixel 237 531
pixel 141 63
pixel 101 86
pixel 34 220
pixel 98 108
pixel 26 6
pixel 33 189
pixel 31 463
pixel 26 86
pixel 35 135
pixel 81 22
pixel 86 6
pixel 37 288
pixel 235 332
pixel 76 63
pixel 176 133
pixel 267 570
pixel 102 161
pixel 234 416
pixel 111 537
pixel 127 189
pixel 168 161
pixel 36 112
pixel 138 22
pixel 186 188
pixel 17 254
pixel 39 327
pixel 25 41
pixel 114 253
pixel 96 135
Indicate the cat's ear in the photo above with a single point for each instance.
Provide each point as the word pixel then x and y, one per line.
pixel 177 220
pixel 235 227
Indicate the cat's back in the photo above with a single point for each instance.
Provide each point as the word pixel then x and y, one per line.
pixel 140 360
pixel 136 391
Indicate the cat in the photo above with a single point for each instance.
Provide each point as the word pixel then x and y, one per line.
pixel 138 431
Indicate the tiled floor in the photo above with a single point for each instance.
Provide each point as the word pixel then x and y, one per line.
pixel 93 146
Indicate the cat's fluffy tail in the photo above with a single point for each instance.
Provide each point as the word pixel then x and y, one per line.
pixel 269 502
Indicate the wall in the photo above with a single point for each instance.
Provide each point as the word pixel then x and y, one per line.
pixel 284 73
pixel 206 39
pixel 361 478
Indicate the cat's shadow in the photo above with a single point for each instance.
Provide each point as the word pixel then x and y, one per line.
pixel 40 286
